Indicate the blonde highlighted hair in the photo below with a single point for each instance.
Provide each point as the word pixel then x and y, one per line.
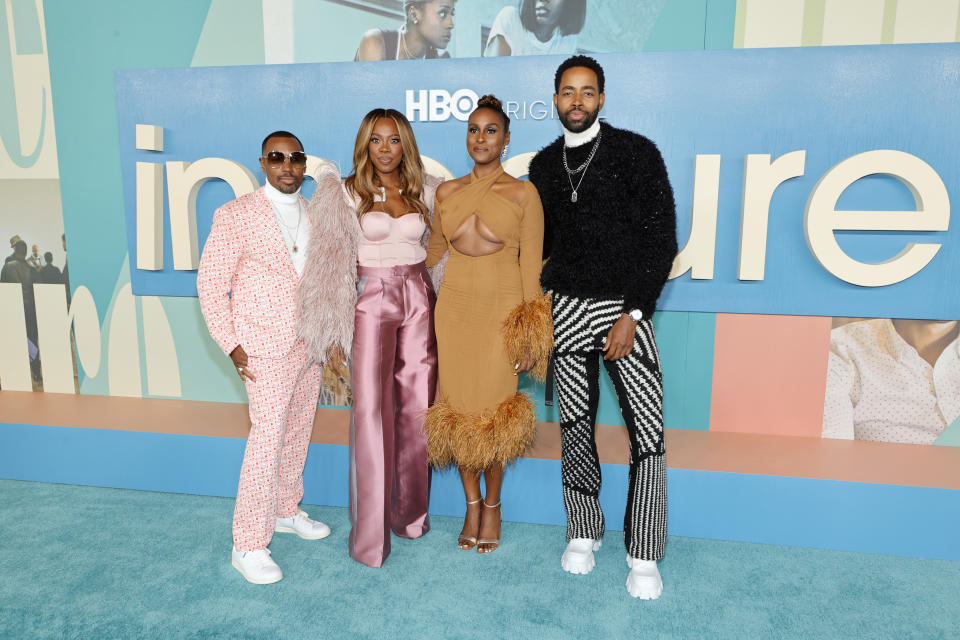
pixel 363 182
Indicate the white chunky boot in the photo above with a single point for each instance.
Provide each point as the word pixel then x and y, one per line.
pixel 578 556
pixel 644 579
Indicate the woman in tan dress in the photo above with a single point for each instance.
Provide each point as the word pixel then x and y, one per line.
pixel 492 322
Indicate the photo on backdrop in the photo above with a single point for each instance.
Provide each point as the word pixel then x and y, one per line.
pixel 893 380
pixel 432 29
pixel 33 225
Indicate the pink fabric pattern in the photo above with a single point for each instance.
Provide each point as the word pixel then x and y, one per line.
pixel 245 254
pixel 283 402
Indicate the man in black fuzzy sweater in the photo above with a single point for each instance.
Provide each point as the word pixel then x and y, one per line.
pixel 611 239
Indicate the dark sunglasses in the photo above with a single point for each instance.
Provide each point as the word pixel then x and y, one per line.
pixel 277 158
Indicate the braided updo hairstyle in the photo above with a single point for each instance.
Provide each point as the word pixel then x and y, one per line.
pixel 493 103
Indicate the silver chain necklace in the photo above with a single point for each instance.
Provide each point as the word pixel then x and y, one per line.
pixel 582 167
pixel 283 225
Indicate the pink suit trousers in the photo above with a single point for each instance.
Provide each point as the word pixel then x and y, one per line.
pixel 283 402
pixel 394 378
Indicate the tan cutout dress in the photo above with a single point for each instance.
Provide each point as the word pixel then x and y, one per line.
pixel 489 310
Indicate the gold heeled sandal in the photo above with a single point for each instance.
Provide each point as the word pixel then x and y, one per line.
pixel 495 543
pixel 466 543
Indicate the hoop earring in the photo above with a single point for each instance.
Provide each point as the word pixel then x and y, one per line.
pixel 503 152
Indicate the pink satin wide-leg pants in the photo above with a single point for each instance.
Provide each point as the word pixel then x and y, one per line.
pixel 394 374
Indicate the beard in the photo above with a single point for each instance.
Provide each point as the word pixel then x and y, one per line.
pixel 287 188
pixel 583 125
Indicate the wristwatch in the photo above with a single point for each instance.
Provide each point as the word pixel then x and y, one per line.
pixel 636 315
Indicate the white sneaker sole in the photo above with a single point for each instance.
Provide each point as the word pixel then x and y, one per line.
pixel 303 536
pixel 236 566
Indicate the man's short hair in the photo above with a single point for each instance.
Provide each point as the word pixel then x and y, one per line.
pixel 278 134
pixel 579 61
pixel 48 256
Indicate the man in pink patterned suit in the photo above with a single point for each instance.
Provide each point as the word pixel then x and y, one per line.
pixel 246 283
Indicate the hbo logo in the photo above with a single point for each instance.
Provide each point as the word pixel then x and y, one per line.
pixel 437 105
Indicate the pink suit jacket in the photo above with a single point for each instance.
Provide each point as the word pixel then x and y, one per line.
pixel 247 282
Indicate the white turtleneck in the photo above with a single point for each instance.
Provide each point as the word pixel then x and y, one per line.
pixel 571 139
pixel 286 208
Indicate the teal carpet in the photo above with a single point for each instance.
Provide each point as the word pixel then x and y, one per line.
pixel 81 562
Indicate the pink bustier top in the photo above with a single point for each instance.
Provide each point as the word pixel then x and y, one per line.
pixel 388 242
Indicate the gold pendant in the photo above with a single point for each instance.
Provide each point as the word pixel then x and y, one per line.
pixel 295 248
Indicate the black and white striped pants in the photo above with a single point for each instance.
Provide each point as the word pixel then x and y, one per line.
pixel 580 326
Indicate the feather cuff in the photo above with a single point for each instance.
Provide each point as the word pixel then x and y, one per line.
pixel 529 328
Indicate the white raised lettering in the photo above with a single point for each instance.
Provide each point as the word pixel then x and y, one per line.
pixel 539 110
pixel 697 256
pixel 821 218
pixel 439 105
pixel 416 106
pixel 462 103
pixel 184 180
pixel 760 179
pixel 149 216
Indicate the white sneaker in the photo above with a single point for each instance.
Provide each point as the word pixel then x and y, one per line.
pixel 578 556
pixel 644 579
pixel 257 566
pixel 303 526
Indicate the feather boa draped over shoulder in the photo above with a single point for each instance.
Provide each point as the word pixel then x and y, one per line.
pixel 327 291
pixel 430 186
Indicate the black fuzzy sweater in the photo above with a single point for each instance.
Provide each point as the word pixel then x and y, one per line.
pixel 619 239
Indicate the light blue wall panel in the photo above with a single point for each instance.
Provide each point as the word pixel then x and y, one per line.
pixel 875 518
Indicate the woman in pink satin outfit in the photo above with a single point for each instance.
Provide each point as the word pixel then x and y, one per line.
pixel 394 348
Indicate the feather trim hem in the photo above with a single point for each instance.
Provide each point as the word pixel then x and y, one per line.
pixel 478 441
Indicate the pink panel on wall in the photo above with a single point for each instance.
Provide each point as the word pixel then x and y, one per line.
pixel 769 374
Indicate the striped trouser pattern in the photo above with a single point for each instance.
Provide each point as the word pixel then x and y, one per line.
pixel 580 325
